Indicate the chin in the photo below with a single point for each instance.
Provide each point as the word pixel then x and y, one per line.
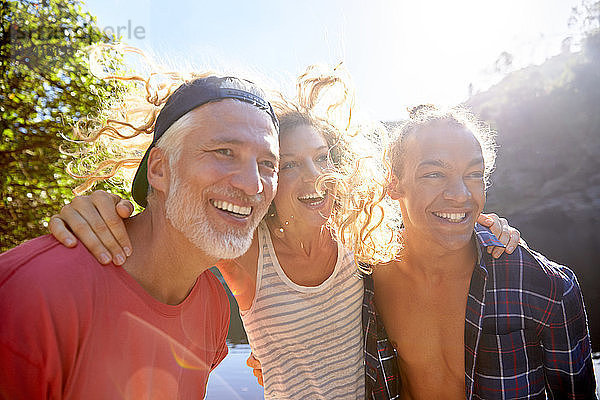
pixel 316 220
pixel 456 241
pixel 227 246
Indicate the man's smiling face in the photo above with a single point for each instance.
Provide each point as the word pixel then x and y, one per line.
pixel 225 178
pixel 441 186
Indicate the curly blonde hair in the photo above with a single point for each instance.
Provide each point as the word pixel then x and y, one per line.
pixel 324 100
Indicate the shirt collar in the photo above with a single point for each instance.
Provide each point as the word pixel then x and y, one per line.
pixel 484 238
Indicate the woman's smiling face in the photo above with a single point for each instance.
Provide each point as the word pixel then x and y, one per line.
pixel 304 156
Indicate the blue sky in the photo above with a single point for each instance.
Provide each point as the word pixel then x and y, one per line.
pixel 399 53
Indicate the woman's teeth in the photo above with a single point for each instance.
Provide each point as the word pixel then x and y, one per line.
pixel 312 198
pixel 232 208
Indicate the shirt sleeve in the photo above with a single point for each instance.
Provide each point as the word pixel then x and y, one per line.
pixel 224 328
pixel 566 342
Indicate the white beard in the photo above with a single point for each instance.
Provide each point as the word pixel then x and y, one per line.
pixel 189 216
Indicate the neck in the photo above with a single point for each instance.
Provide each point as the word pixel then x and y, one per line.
pixel 163 261
pixel 299 238
pixel 422 257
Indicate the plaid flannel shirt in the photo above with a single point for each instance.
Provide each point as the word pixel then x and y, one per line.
pixel 526 332
pixel 382 380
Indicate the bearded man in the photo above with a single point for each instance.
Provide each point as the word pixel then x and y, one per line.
pixel 157 326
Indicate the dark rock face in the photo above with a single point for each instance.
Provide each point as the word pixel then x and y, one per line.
pixel 547 178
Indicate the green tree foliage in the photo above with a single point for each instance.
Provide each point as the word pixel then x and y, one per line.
pixel 45 86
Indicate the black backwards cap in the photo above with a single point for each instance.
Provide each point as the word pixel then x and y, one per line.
pixel 187 97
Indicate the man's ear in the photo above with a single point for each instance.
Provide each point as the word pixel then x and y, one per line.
pixel 394 188
pixel 158 170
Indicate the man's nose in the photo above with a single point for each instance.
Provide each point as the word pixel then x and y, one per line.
pixel 248 179
pixel 457 190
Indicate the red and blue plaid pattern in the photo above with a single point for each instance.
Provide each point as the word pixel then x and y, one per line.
pixel 382 381
pixel 526 332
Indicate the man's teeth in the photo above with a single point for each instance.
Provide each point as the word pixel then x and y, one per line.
pixel 227 206
pixel 452 217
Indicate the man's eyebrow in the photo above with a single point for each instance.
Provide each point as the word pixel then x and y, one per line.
pixel 443 164
pixel 216 142
pixel 236 142
pixel 476 161
pixel 435 163
pixel 293 154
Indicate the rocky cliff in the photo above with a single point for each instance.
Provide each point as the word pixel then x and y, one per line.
pixel 547 178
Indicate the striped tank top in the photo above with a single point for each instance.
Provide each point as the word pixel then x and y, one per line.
pixel 308 339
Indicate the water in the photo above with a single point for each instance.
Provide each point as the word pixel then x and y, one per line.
pixel 232 379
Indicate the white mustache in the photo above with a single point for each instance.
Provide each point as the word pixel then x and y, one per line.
pixel 237 194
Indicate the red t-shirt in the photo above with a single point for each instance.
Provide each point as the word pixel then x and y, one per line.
pixel 72 328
